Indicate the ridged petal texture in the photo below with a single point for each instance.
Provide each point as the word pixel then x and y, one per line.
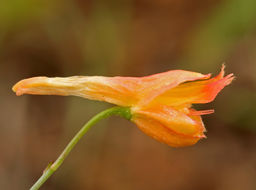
pixel 160 103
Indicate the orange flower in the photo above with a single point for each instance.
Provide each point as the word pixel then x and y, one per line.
pixel 160 104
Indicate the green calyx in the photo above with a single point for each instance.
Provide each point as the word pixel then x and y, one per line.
pixel 124 112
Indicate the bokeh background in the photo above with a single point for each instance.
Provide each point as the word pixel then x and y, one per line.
pixel 128 38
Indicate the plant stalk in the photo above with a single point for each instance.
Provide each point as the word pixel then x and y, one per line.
pixel 51 168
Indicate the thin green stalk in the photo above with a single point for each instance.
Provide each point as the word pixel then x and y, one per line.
pixel 120 111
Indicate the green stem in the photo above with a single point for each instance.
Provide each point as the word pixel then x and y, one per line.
pixel 120 111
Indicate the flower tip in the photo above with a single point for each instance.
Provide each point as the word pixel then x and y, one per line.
pixel 223 66
pixel 16 88
pixel 222 71
pixel 203 136
pixel 229 78
pixel 24 85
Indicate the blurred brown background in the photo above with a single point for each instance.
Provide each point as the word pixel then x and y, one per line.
pixel 128 38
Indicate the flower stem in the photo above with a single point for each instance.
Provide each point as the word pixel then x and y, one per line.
pixel 51 168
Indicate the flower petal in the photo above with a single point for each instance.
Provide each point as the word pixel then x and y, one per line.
pixel 203 91
pixel 123 91
pixel 157 84
pixel 116 90
pixel 176 121
pixel 163 134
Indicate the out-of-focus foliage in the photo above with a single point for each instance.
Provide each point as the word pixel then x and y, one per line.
pixel 229 22
pixel 129 38
pixel 15 13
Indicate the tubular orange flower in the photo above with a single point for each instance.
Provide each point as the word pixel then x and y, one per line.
pixel 160 104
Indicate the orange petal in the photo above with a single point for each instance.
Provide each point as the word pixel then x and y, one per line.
pixel 203 91
pixel 164 88
pixel 116 90
pixel 157 84
pixel 176 121
pixel 124 91
pixel 163 134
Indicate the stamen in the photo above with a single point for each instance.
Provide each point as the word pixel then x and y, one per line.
pixel 201 112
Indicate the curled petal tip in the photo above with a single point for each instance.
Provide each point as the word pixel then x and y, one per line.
pixel 19 92
pixel 223 66
pixel 229 78
pixel 16 88
pixel 27 85
pixel 222 72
